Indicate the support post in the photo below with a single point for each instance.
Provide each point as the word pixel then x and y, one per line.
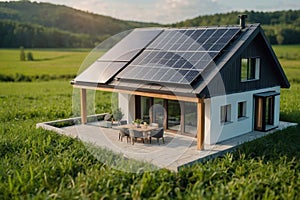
pixel 200 124
pixel 83 106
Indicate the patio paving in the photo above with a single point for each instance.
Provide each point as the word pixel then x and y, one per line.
pixel 178 150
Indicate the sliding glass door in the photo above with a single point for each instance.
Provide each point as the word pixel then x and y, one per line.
pixel 179 117
pixel 145 109
pixel 174 115
pixel 190 118
pixel 158 112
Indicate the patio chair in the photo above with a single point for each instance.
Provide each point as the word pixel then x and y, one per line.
pixel 124 132
pixel 123 122
pixel 106 121
pixel 159 133
pixel 136 134
pixel 107 117
pixel 154 124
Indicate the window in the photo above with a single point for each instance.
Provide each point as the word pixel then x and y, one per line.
pixel 225 113
pixel 250 69
pixel 242 109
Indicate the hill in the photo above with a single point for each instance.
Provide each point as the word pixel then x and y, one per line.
pixel 281 27
pixel 40 25
pixel 21 19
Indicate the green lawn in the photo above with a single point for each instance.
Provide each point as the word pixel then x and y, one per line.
pixel 39 164
pixel 289 56
pixel 46 61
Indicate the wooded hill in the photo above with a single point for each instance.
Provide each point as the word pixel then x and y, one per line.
pixel 38 25
pixel 32 24
pixel 281 27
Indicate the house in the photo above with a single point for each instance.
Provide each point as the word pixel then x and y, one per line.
pixel 213 83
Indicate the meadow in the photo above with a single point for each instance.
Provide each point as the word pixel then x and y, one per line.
pixel 39 164
pixel 48 64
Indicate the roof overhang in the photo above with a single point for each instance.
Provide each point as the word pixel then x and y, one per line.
pixel 267 94
pixel 147 93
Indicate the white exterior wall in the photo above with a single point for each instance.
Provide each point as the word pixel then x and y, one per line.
pixel 215 131
pixel 127 105
pixel 277 109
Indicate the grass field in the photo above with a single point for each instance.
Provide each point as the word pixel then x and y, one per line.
pixel 47 61
pixel 289 58
pixel 39 164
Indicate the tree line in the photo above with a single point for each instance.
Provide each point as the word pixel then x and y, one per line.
pixel 44 25
pixel 14 35
pixel 281 27
pixel 283 34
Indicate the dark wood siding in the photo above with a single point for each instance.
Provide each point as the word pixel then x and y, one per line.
pixel 231 73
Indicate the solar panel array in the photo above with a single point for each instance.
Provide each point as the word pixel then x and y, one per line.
pixel 116 58
pixel 179 55
pixel 131 45
pixel 100 72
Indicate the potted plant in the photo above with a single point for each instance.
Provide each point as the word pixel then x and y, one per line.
pixel 117 114
pixel 138 122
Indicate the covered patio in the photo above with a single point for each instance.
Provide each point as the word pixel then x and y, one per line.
pixel 131 109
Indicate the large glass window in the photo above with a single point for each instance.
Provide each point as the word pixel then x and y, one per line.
pixel 174 115
pixel 178 116
pixel 250 69
pixel 190 118
pixel 158 111
pixel 145 108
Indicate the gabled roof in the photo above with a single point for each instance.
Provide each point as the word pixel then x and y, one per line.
pixel 172 60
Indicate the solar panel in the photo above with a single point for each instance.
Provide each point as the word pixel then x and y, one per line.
pixel 190 75
pixel 131 45
pixel 100 72
pixel 166 76
pixel 179 56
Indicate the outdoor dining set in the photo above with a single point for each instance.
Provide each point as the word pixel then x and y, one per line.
pixel 145 132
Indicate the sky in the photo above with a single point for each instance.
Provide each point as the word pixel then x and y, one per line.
pixel 171 11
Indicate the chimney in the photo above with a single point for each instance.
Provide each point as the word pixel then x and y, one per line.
pixel 242 21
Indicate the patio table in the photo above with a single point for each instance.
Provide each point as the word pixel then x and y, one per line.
pixel 144 129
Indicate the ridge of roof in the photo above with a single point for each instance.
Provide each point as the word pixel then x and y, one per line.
pixel 201 27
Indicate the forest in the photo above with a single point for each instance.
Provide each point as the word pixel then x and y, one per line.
pixel 41 25
pixel 281 27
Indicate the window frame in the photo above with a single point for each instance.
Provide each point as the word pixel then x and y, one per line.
pixel 225 113
pixel 242 109
pixel 250 69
